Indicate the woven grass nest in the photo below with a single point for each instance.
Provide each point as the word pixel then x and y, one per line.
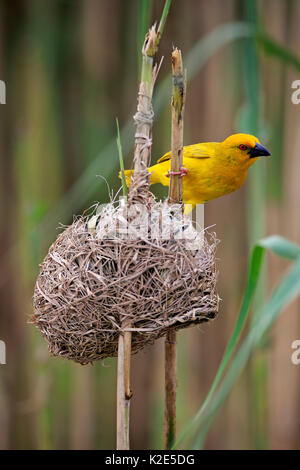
pixel 123 275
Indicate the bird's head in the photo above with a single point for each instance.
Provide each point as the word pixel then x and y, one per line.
pixel 244 148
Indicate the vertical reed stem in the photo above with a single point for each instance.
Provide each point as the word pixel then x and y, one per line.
pixel 142 156
pixel 122 432
pixel 175 196
pixel 170 388
pixel 178 102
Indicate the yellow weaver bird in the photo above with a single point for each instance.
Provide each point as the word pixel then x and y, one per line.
pixel 211 169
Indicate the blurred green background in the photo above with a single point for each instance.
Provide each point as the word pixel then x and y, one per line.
pixel 71 67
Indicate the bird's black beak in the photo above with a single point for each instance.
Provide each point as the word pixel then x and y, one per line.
pixel 259 151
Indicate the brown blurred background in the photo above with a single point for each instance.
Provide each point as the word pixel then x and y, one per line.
pixel 71 67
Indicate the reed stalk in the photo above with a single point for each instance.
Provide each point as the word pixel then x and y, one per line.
pixel 175 196
pixel 141 160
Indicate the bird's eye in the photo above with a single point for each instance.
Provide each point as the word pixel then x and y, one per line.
pixel 243 147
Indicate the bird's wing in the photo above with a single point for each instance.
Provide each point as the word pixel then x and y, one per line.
pixel 205 150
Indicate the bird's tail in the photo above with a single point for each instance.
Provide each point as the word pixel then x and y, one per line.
pixel 128 175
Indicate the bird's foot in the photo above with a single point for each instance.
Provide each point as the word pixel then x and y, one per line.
pixel 182 172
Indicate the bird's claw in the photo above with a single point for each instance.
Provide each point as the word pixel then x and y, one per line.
pixel 182 172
